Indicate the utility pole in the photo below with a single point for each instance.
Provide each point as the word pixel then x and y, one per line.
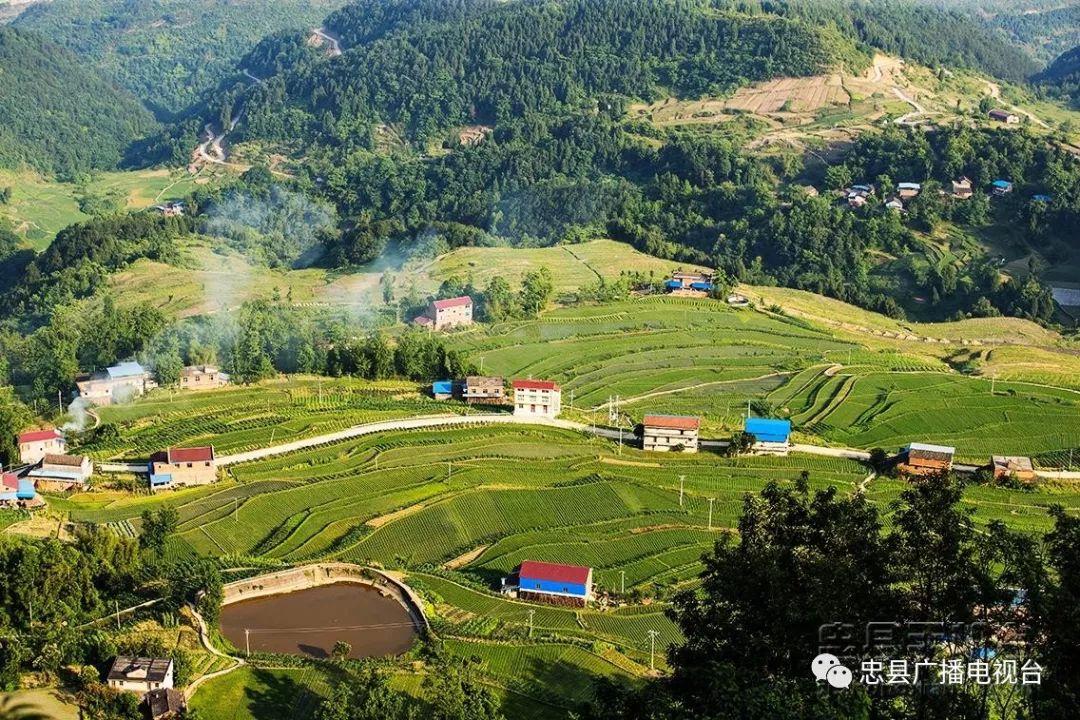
pixel 449 471
pixel 622 575
pixel 247 641
pixel 620 438
pixel 481 364
pixel 682 478
pixel 652 648
pixel 711 501
pixel 531 613
pixel 236 509
pixel 747 407
pixel 60 400
pixel 117 614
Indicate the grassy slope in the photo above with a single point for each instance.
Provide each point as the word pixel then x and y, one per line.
pixel 40 208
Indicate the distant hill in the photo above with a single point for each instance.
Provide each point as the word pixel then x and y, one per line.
pixel 169 52
pixel 55 114
pixel 1063 76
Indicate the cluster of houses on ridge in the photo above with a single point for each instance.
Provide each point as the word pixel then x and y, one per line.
pixel 858 196
pixel 127 380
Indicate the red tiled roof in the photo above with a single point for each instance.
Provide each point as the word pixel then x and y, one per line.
pixel 452 302
pixel 10 481
pixel 534 385
pixel 196 454
pixel 39 435
pixel 672 422
pixel 554 572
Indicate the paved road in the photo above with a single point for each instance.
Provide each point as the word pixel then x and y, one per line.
pixel 434 421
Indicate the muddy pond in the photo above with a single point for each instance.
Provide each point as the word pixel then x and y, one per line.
pixel 309 622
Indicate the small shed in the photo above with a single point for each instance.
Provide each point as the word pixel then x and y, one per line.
pixel 1016 466
pixel 769 430
pixel 442 389
pixel 926 459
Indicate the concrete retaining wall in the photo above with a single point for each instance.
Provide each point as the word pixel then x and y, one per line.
pixel 316 575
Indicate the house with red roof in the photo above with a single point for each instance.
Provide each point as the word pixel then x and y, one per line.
pixel 177 467
pixel 552 583
pixel 448 313
pixel 36 444
pixel 667 433
pixel 537 398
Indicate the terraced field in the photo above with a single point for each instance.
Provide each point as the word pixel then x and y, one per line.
pixel 244 418
pixel 884 387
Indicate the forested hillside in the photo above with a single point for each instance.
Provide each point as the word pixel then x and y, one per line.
pixel 55 114
pixel 169 52
pixel 1063 76
pixel 930 34
pixel 496 63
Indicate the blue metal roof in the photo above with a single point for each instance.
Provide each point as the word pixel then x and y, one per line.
pixel 1042 198
pixel 26 489
pixel 673 284
pixel 701 285
pixel 8 495
pixel 909 186
pixel 125 369
pixel 442 387
pixel 160 480
pixel 767 430
pixel 1001 183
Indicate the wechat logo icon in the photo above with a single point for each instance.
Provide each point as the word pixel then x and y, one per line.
pixel 828 668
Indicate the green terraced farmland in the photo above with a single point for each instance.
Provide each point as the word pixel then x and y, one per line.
pixel 244 418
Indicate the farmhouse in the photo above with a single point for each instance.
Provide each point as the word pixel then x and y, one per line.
pixel 115 384
pixel 1005 466
pixel 140 674
pixel 1001 187
pixel 682 280
pixel 925 459
pixel 908 190
pixel 16 491
pixel 665 433
pixel 552 583
pixel 895 204
pixel 165 704
pixel 202 377
pixel 183 466
pixel 63 472
pixel 171 209
pixel 36 444
pixel 1003 116
pixel 541 398
pixel 442 389
pixel 962 188
pixel 449 313
pixel 772 437
pixel 484 390
pixel 856 200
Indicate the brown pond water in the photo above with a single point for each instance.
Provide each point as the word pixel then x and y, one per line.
pixel 309 622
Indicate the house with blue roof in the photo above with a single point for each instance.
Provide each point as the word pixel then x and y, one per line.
pixel 16 491
pixel 1001 187
pixel 442 389
pixel 771 436
pixel 695 281
pixel 118 383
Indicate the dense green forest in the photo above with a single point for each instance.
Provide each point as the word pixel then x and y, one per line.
pixel 933 35
pixel 497 63
pixel 57 115
pixel 168 52
pixel 1062 78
